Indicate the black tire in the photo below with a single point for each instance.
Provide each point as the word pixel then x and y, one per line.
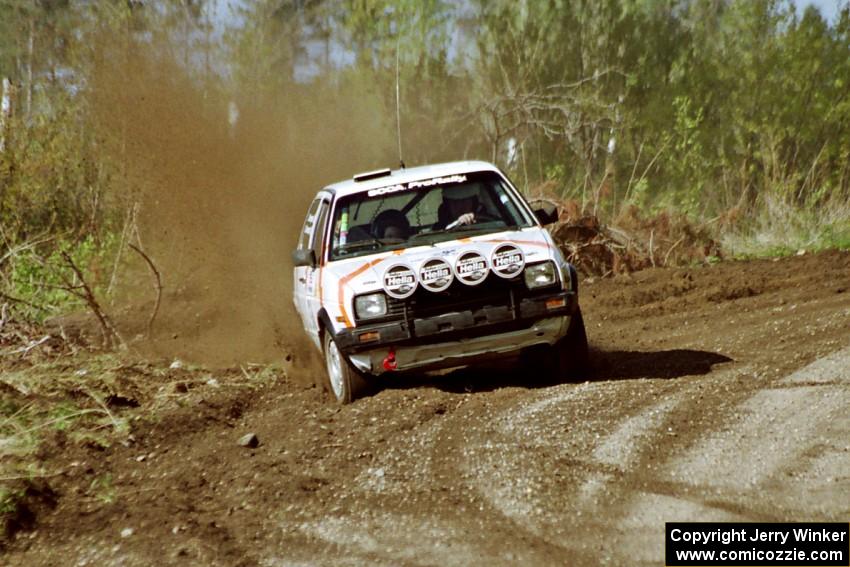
pixel 342 380
pixel 577 349
pixel 570 357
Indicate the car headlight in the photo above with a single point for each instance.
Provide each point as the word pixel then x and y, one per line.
pixel 370 306
pixel 540 275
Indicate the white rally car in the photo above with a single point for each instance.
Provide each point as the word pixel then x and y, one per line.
pixel 433 267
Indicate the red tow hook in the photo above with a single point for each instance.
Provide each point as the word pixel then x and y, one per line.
pixel 389 362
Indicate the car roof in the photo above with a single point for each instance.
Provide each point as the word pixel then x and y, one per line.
pixel 396 176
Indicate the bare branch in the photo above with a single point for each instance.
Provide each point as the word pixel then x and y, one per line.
pixel 667 255
pixel 22 302
pixel 157 284
pixel 25 350
pixel 107 328
pixel 72 289
pixel 14 251
pixel 651 252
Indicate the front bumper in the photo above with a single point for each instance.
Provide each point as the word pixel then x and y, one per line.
pixel 464 351
pixel 460 335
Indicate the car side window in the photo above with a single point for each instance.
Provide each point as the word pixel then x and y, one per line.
pixel 319 232
pixel 307 229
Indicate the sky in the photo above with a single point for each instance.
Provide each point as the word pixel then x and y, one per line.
pixel 828 8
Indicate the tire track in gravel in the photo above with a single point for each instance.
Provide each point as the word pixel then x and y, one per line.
pixel 788 438
pixel 511 474
pixel 734 470
pixel 546 474
pixel 745 469
pixel 558 464
pixel 452 524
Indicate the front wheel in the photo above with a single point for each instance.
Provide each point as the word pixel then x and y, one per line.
pixel 345 383
pixel 569 357
pixel 577 350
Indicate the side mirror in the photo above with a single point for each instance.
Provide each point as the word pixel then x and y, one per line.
pixel 304 257
pixel 547 213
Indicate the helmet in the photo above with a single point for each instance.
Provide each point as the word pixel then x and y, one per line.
pixel 388 218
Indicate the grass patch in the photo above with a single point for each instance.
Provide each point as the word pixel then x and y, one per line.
pixel 102 489
pixel 51 409
pixel 777 244
pixel 9 498
pixel 48 405
pixel 780 228
pixel 90 400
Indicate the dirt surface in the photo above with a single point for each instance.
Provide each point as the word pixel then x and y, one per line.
pixel 718 393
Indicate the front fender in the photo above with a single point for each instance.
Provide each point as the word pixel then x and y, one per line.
pixel 323 323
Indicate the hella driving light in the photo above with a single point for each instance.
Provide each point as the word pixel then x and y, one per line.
pixel 540 275
pixel 370 306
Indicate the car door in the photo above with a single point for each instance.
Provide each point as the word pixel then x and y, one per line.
pixel 303 274
pixel 314 274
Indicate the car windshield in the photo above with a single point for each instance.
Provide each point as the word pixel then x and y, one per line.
pixel 423 212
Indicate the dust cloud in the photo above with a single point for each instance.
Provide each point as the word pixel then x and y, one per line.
pixel 220 205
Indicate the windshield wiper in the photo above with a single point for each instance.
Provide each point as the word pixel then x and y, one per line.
pixel 455 230
pixel 429 233
pixel 363 243
pixel 469 228
pixel 371 241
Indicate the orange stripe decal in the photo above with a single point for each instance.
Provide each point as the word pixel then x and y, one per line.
pixel 345 280
pixel 526 242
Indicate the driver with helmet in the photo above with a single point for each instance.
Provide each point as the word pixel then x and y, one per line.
pixel 461 205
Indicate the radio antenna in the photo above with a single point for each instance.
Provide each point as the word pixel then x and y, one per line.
pixel 398 104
